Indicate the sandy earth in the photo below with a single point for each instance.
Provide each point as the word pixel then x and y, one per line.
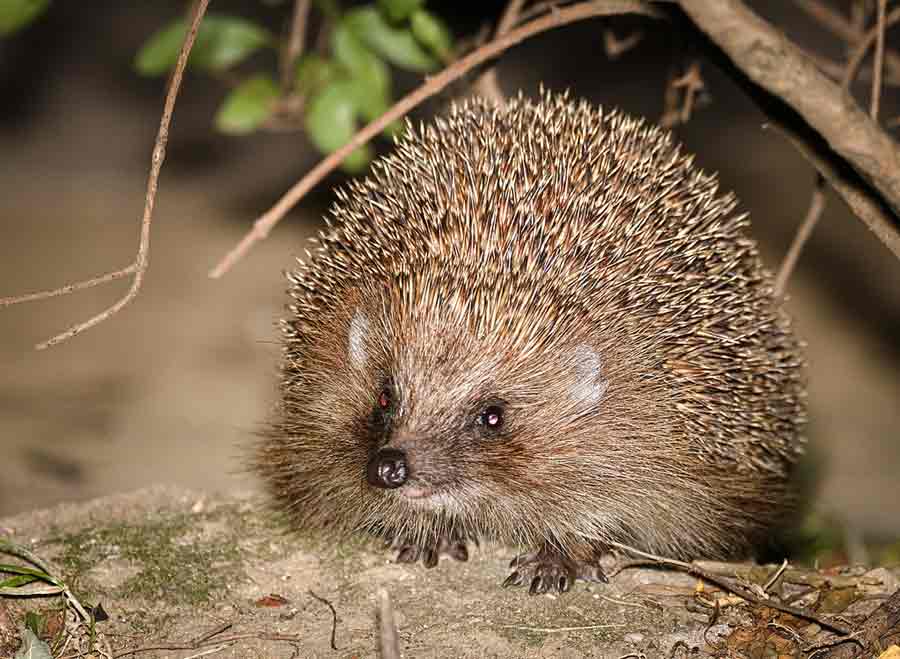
pixel 170 566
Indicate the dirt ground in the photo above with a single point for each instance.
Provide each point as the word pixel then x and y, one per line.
pixel 170 566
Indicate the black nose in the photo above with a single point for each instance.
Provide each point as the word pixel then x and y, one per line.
pixel 387 469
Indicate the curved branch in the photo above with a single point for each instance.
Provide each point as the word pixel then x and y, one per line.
pixel 778 66
pixel 556 18
pixel 141 261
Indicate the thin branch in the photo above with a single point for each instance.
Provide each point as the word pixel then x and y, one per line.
pixel 615 47
pixel 804 231
pixel 862 50
pixel 878 65
pixel 295 42
pixel 263 225
pixel 836 71
pixel 388 640
pixel 139 267
pixel 870 209
pixel 681 95
pixel 878 630
pixel 841 27
pixel 735 588
pixel 334 618
pixel 69 288
pixel 778 66
pixel 487 85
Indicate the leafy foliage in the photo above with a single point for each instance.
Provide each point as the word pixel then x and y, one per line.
pixel 248 105
pixel 339 89
pixel 16 14
pixel 222 42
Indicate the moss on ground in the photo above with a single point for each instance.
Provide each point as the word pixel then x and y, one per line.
pixel 175 563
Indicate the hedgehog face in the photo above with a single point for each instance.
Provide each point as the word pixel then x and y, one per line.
pixel 460 416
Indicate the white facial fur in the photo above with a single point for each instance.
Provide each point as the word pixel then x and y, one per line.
pixel 356 340
pixel 590 385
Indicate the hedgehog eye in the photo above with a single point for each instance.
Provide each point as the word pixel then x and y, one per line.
pixel 491 417
pixel 384 399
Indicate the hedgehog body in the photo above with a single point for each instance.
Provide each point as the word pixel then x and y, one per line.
pixel 540 324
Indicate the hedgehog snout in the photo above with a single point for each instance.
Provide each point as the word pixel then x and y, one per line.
pixel 388 469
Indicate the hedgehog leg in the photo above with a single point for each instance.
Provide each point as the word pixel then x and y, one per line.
pixel 550 569
pixel 429 553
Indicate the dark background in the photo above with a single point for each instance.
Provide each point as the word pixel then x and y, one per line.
pixel 172 389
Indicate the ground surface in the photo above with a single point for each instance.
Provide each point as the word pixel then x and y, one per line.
pixel 170 566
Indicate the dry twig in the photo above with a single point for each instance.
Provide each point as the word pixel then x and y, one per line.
pixel 845 29
pixel 487 85
pixel 859 55
pixel 294 48
pixel 878 631
pixel 804 231
pixel 615 47
pixel 333 616
pixel 778 66
pixel 138 267
pixel 733 587
pixel 878 65
pixel 388 641
pixel 591 9
pixel 681 94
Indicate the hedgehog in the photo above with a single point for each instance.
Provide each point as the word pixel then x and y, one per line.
pixel 539 324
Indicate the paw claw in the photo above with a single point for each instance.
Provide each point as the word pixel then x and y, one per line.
pixel 458 551
pixel 430 554
pixel 408 554
pixel 514 579
pixel 551 571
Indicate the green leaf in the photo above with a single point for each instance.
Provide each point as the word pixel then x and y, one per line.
pixel 313 71
pixel 330 120
pixel 370 76
pixel 431 31
pixel 363 64
pixel 248 106
pixel 16 14
pixel 372 103
pixel 329 8
pixel 20 569
pixel 399 10
pixel 397 45
pixel 20 580
pixel 222 42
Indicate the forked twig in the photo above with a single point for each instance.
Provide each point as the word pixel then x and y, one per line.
pixel 863 48
pixel 735 588
pixel 591 9
pixel 139 266
pixel 487 85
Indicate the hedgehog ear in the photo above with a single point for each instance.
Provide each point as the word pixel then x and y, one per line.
pixel 356 339
pixel 589 385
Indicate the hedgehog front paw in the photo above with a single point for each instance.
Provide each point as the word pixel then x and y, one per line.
pixel 430 553
pixel 549 570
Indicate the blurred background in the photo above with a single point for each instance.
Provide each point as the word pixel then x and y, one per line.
pixel 172 388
